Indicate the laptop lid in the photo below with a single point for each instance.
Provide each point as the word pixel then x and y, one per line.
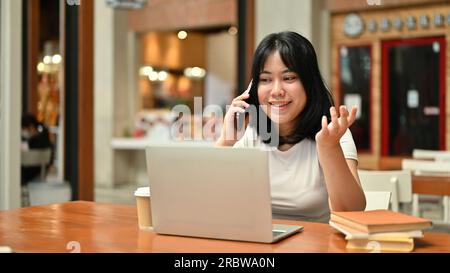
pixel 210 192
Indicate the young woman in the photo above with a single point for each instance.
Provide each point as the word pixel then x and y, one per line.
pixel 314 167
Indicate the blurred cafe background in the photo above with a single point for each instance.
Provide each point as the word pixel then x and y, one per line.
pixel 101 77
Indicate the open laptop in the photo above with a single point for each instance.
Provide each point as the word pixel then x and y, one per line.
pixel 220 193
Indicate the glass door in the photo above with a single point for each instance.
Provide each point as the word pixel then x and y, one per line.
pixel 413 95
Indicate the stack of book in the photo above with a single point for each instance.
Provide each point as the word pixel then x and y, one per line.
pixel 379 230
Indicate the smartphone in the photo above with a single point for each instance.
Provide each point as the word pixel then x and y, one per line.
pixel 240 117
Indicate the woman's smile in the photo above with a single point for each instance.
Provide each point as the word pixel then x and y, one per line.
pixel 279 105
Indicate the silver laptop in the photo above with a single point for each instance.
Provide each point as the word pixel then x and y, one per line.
pixel 209 192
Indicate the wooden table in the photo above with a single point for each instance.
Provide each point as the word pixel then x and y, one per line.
pixel 434 185
pixel 113 228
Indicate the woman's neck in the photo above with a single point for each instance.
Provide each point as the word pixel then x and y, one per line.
pixel 285 130
pixel 285 147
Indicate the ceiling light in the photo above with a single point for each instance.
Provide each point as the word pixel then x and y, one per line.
pixel 182 35
pixel 153 76
pixel 56 59
pixel 47 59
pixel 145 70
pixel 162 75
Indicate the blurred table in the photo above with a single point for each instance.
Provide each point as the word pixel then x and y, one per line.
pixel 129 162
pixel 434 185
pixel 95 227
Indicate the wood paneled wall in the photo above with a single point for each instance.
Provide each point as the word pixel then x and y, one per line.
pixel 339 6
pixel 165 50
pixel 161 15
pixel 374 160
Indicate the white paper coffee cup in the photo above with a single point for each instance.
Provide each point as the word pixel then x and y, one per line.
pixel 143 205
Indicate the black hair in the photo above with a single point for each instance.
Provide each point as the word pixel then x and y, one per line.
pixel 29 120
pixel 298 54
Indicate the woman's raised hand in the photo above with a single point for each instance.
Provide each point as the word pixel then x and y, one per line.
pixel 331 133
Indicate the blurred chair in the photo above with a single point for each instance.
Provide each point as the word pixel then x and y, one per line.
pixel 41 191
pixel 34 158
pixel 431 154
pixel 377 200
pixel 398 183
pixel 428 168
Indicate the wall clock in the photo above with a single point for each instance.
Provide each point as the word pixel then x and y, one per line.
pixel 353 25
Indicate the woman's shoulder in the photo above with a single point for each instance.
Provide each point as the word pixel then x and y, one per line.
pixel 347 137
pixel 348 146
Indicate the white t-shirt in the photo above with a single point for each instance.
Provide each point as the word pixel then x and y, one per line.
pixel 298 186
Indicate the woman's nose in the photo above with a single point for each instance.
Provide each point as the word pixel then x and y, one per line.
pixel 277 89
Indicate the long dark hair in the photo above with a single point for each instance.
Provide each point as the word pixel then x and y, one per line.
pixel 298 54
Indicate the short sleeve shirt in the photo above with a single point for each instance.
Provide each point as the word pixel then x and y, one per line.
pixel 298 188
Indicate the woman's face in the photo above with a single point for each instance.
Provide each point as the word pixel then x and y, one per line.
pixel 281 93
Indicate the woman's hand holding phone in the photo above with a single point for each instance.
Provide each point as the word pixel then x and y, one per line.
pixel 230 133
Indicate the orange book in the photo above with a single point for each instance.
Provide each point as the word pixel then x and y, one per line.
pixel 379 221
pixel 351 234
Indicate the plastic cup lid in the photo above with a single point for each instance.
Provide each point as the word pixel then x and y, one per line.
pixel 143 191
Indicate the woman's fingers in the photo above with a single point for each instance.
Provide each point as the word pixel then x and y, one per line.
pixel 352 116
pixel 240 103
pixel 334 124
pixel 233 110
pixel 343 111
pixel 343 122
pixel 340 122
pixel 243 96
pixel 333 113
pixel 238 110
pixel 229 126
pixel 324 130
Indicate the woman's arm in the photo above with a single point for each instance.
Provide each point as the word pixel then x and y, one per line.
pixel 341 176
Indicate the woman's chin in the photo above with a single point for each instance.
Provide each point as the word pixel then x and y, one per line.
pixel 278 119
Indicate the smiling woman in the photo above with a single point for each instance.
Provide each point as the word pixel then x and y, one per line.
pixel 313 157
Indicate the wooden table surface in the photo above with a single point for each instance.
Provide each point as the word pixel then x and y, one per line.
pixel 434 185
pixel 113 228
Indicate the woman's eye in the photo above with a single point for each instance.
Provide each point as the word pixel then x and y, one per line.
pixel 290 78
pixel 264 80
